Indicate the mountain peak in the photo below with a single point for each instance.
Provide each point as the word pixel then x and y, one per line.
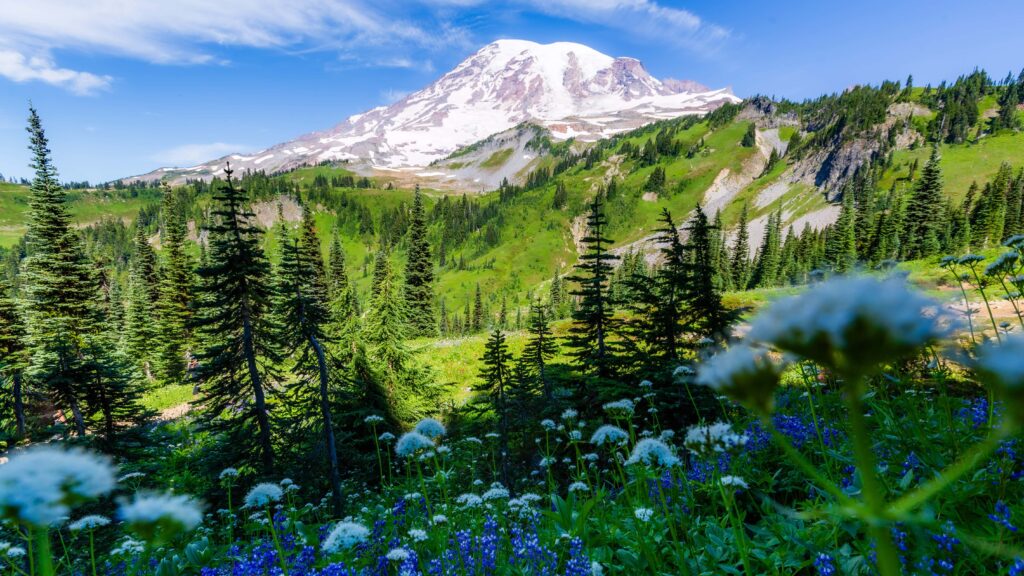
pixel 569 88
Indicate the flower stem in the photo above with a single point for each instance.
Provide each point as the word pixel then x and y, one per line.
pixel 878 528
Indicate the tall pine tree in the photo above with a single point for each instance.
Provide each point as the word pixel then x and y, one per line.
pixel 419 274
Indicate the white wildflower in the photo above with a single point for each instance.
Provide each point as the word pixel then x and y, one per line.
pixel 228 473
pixel 158 517
pixel 596 569
pixel 286 482
pixel 345 535
pixel 469 500
pixel 548 424
pixel 734 482
pixel 1003 264
pixel 652 452
pixel 714 438
pixel 418 535
pixel 439 519
pixel 412 442
pixel 128 547
pixel 39 486
pixel 643 514
pixel 430 428
pixel 131 476
pixel 850 324
pixel 89 522
pixel 15 552
pixel 263 494
pixel 498 493
pixel 749 375
pixel 620 408
pixel 373 419
pixel 609 434
pixel 569 414
pixel 646 384
pixel 578 487
pixel 398 555
pixel 386 437
pixel 682 371
pixel 575 435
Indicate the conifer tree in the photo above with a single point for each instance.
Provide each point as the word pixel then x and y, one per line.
pixel 419 274
pixel 988 217
pixel 923 215
pixel 58 285
pixel 494 382
pixel 1014 223
pixel 114 393
pixel 143 293
pixel 658 301
pixel 841 237
pixel 707 315
pixel 766 267
pixel 540 348
pixel 478 311
pixel 304 315
pixel 238 331
pixel 740 261
pixel 13 357
pixel 176 291
pixel 593 319
pixel 720 250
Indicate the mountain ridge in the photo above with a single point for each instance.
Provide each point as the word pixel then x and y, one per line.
pixel 569 89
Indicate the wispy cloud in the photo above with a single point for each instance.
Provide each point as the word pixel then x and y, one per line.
pixel 390 96
pixel 640 17
pixel 19 68
pixel 195 31
pixel 187 155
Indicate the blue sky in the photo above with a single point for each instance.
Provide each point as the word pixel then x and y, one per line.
pixel 125 87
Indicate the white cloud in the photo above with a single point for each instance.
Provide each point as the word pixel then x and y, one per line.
pixel 390 96
pixel 190 31
pixel 19 68
pixel 187 155
pixel 643 17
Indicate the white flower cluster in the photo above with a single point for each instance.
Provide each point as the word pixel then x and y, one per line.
pixel 418 535
pixel 263 494
pixel 734 482
pixel 398 555
pixel 228 473
pixel 548 424
pixel 652 452
pixel 469 500
pixel 412 442
pixel 496 492
pixel 749 375
pixel 578 487
pixel 171 512
pixel 608 434
pixel 345 535
pixel 37 485
pixel 430 428
pixel 714 438
pixel 850 324
pixel 90 522
pixel 620 408
pixel 373 420
pixel 569 414
pixel 643 514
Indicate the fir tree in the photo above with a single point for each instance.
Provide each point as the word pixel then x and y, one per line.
pixel 143 293
pixel 176 291
pixel 58 285
pixel 766 267
pixel 749 137
pixel 593 320
pixel 923 222
pixel 1014 222
pixel 841 237
pixel 238 333
pixel 304 315
pixel 419 275
pixel 707 315
pixel 494 382
pixel 740 264
pixel 478 311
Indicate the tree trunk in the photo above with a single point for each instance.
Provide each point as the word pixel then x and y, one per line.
pixel 266 448
pixel 325 409
pixel 76 412
pixel 19 405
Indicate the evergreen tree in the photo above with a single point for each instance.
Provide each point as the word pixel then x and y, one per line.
pixel 176 291
pixel 707 315
pixel 13 358
pixel 341 291
pixel 923 224
pixel 841 237
pixel 988 217
pixel 766 267
pixel 304 314
pixel 561 196
pixel 419 275
pixel 1014 223
pixel 143 293
pixel 58 286
pixel 494 382
pixel 749 137
pixel 238 332
pixel 740 264
pixel 540 348
pixel 478 311
pixel 593 319
pixel 114 394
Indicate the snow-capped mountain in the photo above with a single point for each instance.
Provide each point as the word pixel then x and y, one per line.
pixel 571 89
